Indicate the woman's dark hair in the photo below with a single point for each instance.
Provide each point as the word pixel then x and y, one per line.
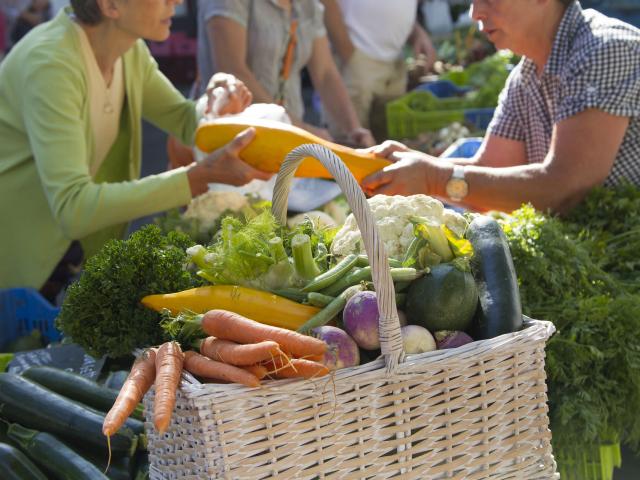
pixel 87 11
pixel 567 2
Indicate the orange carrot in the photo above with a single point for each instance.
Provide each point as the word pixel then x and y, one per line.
pixel 237 354
pixel 231 326
pixel 138 382
pixel 169 360
pixel 205 367
pixel 260 371
pixel 295 368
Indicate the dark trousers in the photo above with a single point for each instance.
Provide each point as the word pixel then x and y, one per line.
pixel 64 273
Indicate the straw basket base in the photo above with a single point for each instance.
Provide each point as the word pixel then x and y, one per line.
pixel 475 412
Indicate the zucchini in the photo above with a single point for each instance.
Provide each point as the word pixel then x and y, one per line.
pixel 14 465
pixel 76 387
pixel 53 455
pixel 495 275
pixel 25 402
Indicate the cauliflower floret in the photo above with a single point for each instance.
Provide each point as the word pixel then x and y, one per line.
pixel 392 215
pixel 208 207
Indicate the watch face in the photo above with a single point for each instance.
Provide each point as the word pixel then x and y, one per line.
pixel 457 188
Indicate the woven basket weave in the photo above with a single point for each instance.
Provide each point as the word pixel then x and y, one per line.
pixel 475 412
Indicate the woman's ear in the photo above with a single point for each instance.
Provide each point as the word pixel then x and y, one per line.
pixel 109 8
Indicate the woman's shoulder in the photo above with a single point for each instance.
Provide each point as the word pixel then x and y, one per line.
pixel 49 45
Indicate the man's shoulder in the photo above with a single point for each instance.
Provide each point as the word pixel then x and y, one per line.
pixel 599 34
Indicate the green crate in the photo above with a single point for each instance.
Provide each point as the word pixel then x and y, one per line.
pixel 420 111
pixel 594 463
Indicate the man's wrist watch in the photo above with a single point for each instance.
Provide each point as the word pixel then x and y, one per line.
pixel 457 187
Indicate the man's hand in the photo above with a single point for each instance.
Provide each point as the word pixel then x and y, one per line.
pixel 361 137
pixel 411 173
pixel 226 95
pixel 224 165
pixel 422 45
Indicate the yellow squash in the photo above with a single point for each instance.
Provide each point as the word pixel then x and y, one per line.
pixel 258 305
pixel 274 140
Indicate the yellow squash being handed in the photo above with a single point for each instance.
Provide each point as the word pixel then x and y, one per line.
pixel 258 305
pixel 274 140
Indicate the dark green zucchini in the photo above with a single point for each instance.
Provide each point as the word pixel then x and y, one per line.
pixel 76 387
pixel 53 455
pixel 27 403
pixel 119 468
pixel 495 275
pixel 14 465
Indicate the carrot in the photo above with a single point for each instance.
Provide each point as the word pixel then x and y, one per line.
pixel 260 371
pixel 231 326
pixel 295 368
pixel 138 382
pixel 206 367
pixel 169 360
pixel 239 355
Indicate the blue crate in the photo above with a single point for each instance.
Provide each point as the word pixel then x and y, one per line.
pixel 463 148
pixel 625 10
pixel 478 117
pixel 23 310
pixel 443 88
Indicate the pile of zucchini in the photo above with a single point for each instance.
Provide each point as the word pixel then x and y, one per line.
pixel 51 428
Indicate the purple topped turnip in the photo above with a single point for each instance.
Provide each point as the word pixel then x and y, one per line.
pixel 451 339
pixel 360 319
pixel 342 351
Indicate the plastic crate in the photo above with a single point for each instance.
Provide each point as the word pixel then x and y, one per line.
pixel 420 111
pixel 594 463
pixel 443 88
pixel 478 117
pixel 23 310
pixel 463 148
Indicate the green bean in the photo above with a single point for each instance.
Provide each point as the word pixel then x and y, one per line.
pixel 363 261
pixel 331 310
pixel 317 299
pixel 363 274
pixel 332 275
pixel 291 293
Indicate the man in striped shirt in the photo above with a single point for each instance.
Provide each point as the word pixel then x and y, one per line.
pixel 568 118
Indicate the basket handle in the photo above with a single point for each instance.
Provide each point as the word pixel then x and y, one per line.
pixel 389 324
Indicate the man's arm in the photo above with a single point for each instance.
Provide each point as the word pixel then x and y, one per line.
pixel 223 33
pixel 337 30
pixel 582 152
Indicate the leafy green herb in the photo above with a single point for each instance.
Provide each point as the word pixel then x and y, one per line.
pixel 579 274
pixel 102 310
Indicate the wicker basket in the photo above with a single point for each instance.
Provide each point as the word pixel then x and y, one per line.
pixel 474 412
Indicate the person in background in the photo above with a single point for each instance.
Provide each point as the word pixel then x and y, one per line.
pixel 73 93
pixel 37 12
pixel 368 37
pixel 568 118
pixel 273 40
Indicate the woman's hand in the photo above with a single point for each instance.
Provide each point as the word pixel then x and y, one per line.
pixel 386 149
pixel 224 165
pixel 226 95
pixel 411 173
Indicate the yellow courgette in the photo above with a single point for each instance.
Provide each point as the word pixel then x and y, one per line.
pixel 258 305
pixel 274 140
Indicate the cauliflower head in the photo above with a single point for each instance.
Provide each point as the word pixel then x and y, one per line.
pixel 392 215
pixel 208 207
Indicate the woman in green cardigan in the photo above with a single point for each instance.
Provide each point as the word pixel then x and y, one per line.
pixel 72 96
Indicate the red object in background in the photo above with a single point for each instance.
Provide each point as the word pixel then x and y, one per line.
pixel 176 57
pixel 3 35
